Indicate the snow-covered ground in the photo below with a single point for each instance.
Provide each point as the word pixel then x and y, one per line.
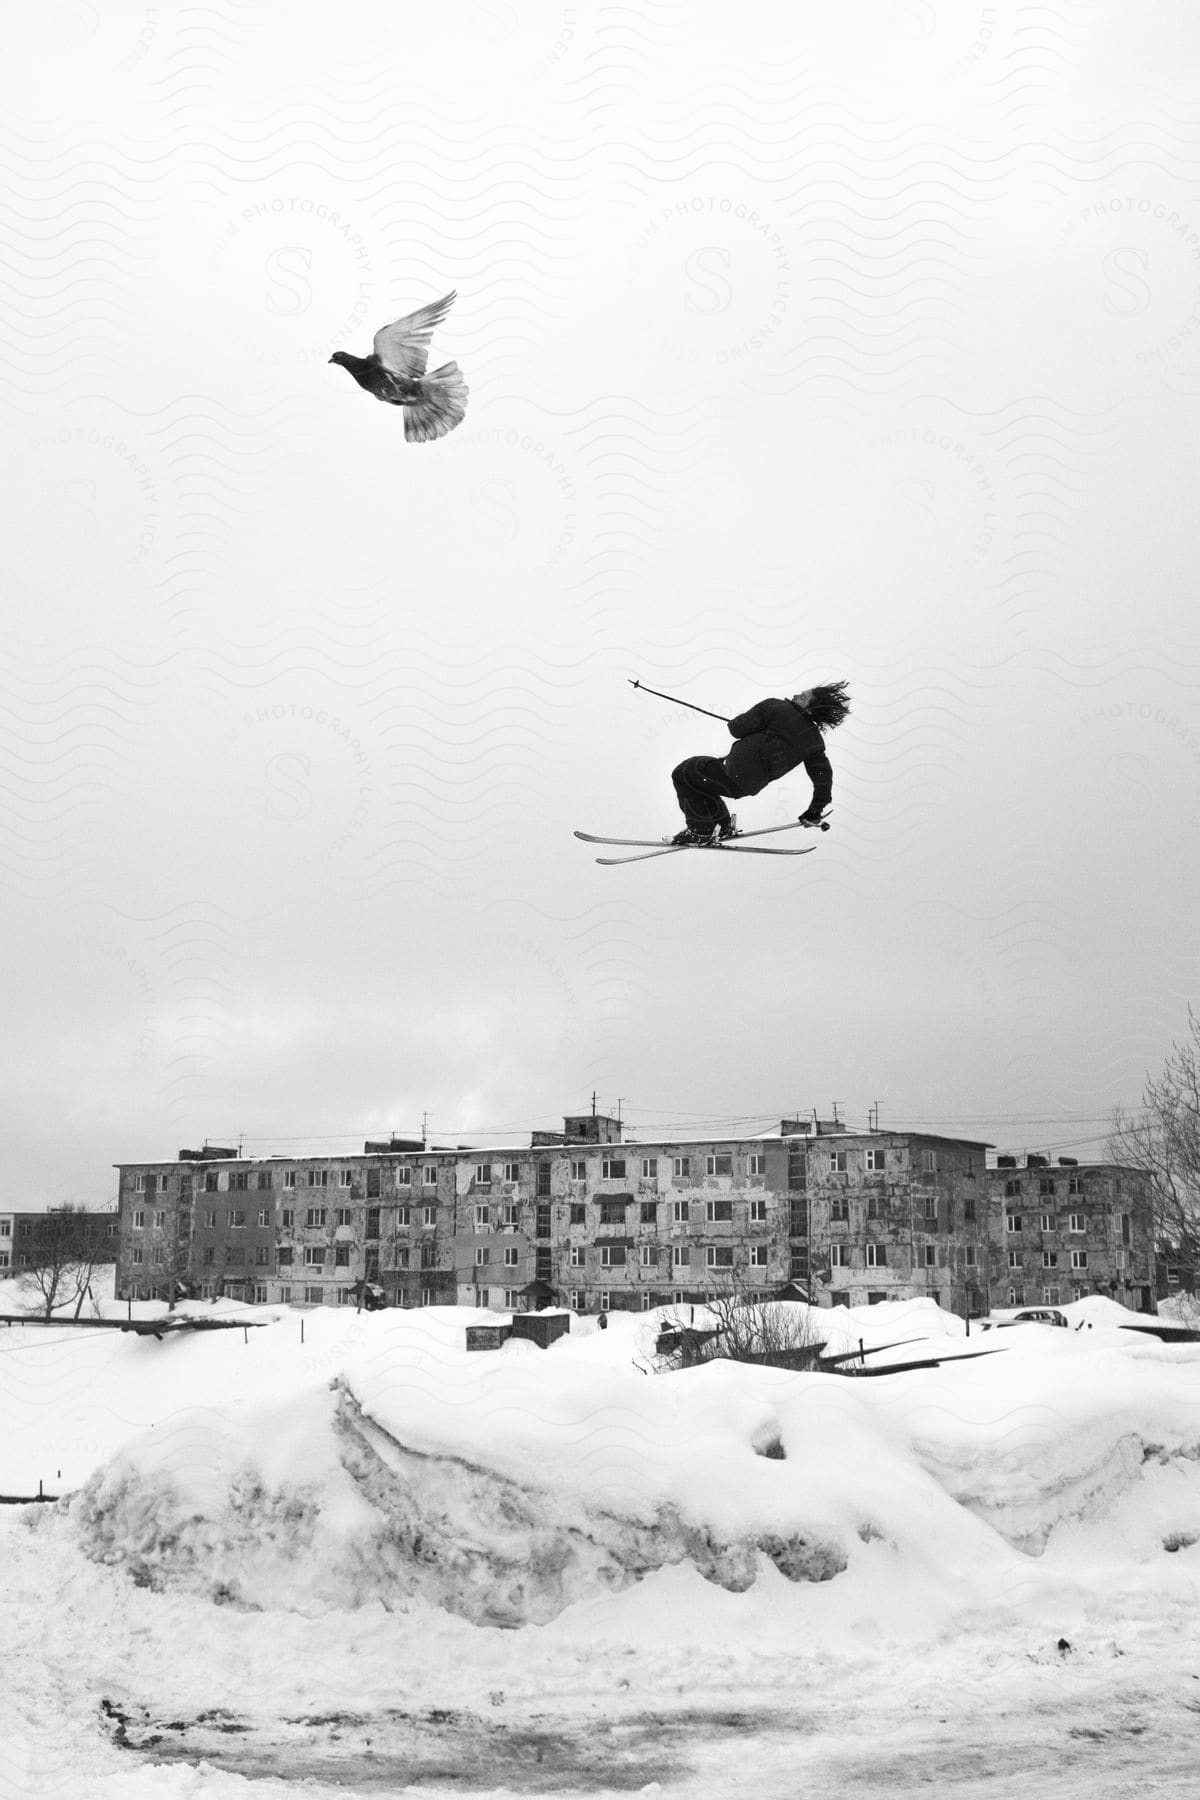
pixel 339 1554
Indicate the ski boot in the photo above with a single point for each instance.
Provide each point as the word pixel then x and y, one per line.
pixel 690 838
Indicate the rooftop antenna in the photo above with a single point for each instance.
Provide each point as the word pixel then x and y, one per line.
pixel 424 1129
pixel 593 1103
pixel 836 1104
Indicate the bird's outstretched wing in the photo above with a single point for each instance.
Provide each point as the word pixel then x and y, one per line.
pixel 403 346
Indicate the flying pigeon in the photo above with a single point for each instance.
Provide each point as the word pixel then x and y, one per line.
pixel 433 404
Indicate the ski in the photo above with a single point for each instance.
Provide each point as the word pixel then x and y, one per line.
pixel 674 849
pixel 657 843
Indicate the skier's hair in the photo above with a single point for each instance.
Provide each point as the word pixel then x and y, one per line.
pixel 829 705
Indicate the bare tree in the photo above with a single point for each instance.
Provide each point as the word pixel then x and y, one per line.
pixel 1163 1140
pixel 63 1249
pixel 744 1327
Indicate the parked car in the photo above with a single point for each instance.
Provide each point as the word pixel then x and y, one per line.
pixel 1027 1315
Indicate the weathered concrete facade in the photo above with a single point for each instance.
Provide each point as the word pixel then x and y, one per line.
pixel 598 1222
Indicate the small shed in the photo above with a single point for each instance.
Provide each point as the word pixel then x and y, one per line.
pixel 541 1327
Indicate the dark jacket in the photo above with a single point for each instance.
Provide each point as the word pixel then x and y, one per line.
pixel 778 735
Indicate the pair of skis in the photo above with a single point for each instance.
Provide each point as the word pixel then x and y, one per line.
pixel 649 848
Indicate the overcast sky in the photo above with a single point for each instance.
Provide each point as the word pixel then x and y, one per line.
pixel 804 342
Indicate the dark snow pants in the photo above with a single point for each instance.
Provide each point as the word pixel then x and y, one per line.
pixel 704 783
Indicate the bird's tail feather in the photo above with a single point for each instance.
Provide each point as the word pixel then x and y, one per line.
pixel 439 407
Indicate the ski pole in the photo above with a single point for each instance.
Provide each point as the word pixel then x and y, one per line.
pixel 675 702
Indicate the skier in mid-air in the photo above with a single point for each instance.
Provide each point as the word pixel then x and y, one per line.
pixel 772 738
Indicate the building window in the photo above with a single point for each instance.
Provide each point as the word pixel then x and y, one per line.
pixel 1049 1259
pixel 483 1218
pixel 579 1170
pixel 139 1221
pixel 1079 1259
pixel 371 1230
pixel 758 1256
pixel 875 1162
pixel 314 1256
pixel 797 1218
pixel 135 1255
pixel 605 1300
pixel 345 1177
pixel 1047 1222
pixel 157 1257
pixel 212 1182
pixel 874 1210
pixel 756 1163
pixel 240 1180
pixel 237 1221
pixel 341 1256
pixel 482 1255
pixel 288 1218
pixel 681 1168
pixel 929 1208
pixel 512 1172
pixel 264 1179
pixel 679 1212
pixel 1012 1222
pixel 838 1164
pixel 343 1215
pixel 314 1217
pixel 541 1221
pixel 612 1256
pixel 648 1255
pixel 1013 1299
pixel 575 1299
pixel 426 1296
pixel 839 1210
pixel 1074 1185
pixel 289 1178
pixel 1050 1296
pixel 719 1164
pixel 314 1295
pixel 210 1254
pixel 404 1176
pixel 285 1295
pixel 401 1258
pixel 262 1254
pixel 139 1183
pixel 969 1210
pixel 1077 1223
pixel 797 1263
pixel 372 1184
pixel 681 1256
pixel 612 1168
pixel 1046 1187
pixel 797 1171
pixel 647 1300
pixel 758 1212
pixel 511 1215
pixel 510 1257
pixel 929 1162
pixel 578 1215
pixel 209 1220
pixel 512 1299
pixel 483 1175
pixel 260 1293
pixel 969 1256
pixel 543 1180
pixel 931 1256
pixel 429 1215
pixel 718 1256
pixel 578 1256
pixel 719 1212
pixel 877 1256
pixel 839 1256
pixel 318 1178
pixel 430 1175
pixel 649 1168
pixel 264 1216
pixel 648 1212
pixel 612 1212
pixel 1012 1190
pixel 284 1256
pixel 1014 1259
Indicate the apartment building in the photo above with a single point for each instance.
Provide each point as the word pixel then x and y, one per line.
pixel 22 1232
pixel 592 1220
pixel 1069 1229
